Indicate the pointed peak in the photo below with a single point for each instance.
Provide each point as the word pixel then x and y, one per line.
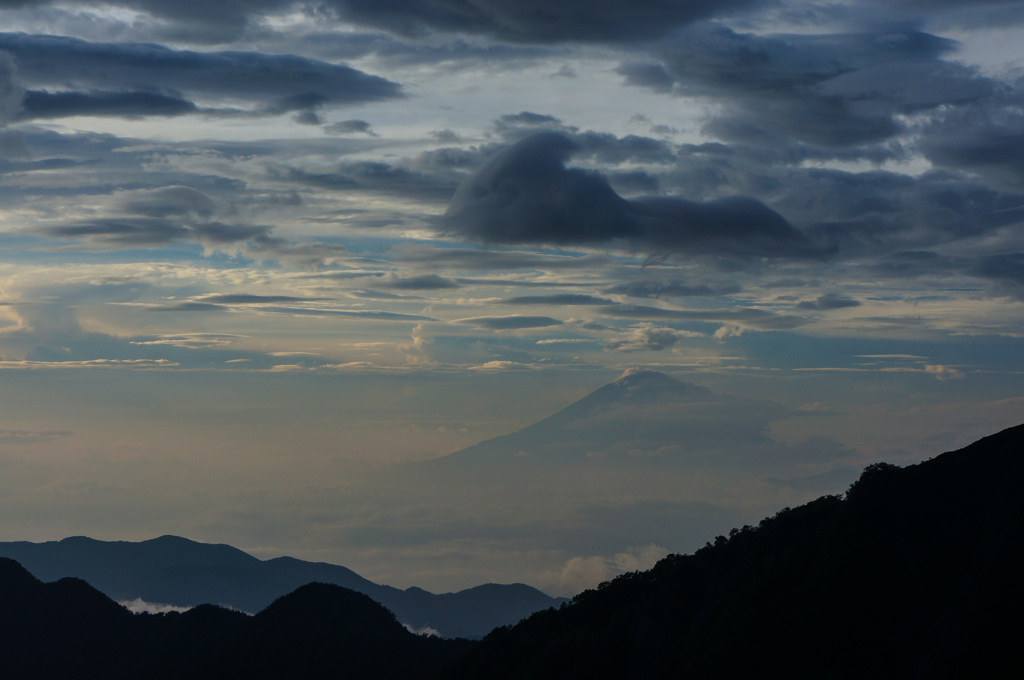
pixel 644 384
pixel 642 376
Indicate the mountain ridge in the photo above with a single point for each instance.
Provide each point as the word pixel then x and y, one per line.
pixel 177 571
pixel 67 628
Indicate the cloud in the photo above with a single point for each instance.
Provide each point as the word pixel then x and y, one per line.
pixel 31 436
pixel 988 140
pixel 189 307
pixel 153 218
pixel 40 104
pixel 374 315
pixel 121 232
pixel 370 176
pixel 140 606
pixel 11 93
pixel 424 282
pixel 602 147
pixel 528 119
pixel 745 317
pixel 942 372
pixel 193 341
pixel 504 366
pixel 829 301
pixel 526 194
pixel 672 288
pixel 350 127
pixel 648 337
pixel 514 322
pixel 563 299
pixel 879 213
pixel 580 573
pixel 167 201
pixel 248 299
pixel 535 21
pixel 828 90
pixel 1006 270
pixel 111 75
pixel 489 260
pixel 133 232
pixel 188 20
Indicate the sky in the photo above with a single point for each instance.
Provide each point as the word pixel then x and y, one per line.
pixel 259 259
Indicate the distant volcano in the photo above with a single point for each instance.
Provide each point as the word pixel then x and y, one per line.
pixel 642 415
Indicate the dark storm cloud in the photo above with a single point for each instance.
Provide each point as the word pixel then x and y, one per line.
pixel 987 141
pixel 276 83
pixel 565 299
pixel 527 21
pixel 193 20
pixel 917 263
pixel 526 194
pixel 509 323
pixel 535 21
pixel 829 301
pixel 40 104
pixel 833 91
pixel 672 288
pixel 634 182
pixel 607 148
pixel 955 14
pixel 1006 270
pixel 602 147
pixel 424 282
pixel 879 212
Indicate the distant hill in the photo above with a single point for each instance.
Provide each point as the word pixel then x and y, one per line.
pixel 914 573
pixel 177 571
pixel 69 629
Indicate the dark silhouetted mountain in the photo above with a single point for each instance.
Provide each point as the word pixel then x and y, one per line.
pixel 173 570
pixel 300 636
pixel 69 629
pixel 914 573
pixel 49 629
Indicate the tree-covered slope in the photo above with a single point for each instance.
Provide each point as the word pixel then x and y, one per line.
pixel 914 573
